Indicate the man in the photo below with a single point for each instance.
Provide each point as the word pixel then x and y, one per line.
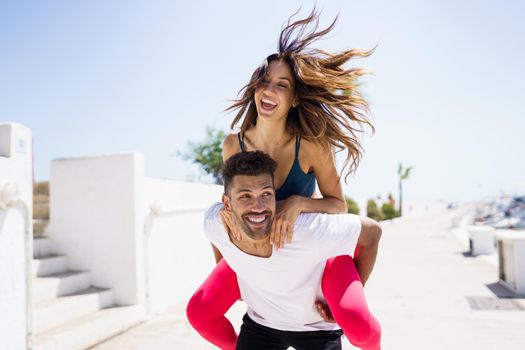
pixel 281 287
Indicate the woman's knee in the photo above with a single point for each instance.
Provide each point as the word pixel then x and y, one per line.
pixel 364 329
pixel 197 311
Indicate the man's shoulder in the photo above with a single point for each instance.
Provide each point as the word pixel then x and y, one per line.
pixel 308 221
pixel 316 221
pixel 212 213
pixel 212 221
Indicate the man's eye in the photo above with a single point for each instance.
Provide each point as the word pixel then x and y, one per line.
pixel 267 194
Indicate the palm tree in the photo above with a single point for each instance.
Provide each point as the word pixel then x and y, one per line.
pixel 403 175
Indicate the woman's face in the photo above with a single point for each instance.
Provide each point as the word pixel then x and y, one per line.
pixel 276 95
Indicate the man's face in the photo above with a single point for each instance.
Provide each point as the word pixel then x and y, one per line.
pixel 252 201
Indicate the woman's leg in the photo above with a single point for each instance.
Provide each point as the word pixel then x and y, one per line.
pixel 344 294
pixel 207 307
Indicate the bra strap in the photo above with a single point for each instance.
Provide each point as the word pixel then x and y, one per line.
pixel 240 136
pixel 297 144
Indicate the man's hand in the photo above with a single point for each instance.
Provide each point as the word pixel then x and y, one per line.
pixel 324 311
pixel 286 212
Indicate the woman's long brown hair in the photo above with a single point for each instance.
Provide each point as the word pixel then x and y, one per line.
pixel 331 110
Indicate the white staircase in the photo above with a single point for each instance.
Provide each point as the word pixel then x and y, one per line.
pixel 68 312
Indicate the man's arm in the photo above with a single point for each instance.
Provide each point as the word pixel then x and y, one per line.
pixel 216 253
pixel 210 217
pixel 367 243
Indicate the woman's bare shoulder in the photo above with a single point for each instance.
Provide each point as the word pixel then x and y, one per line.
pixel 314 150
pixel 230 146
pixel 230 140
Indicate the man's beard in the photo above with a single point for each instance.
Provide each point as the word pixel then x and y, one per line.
pixel 245 227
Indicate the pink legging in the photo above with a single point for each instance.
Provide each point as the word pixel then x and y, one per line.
pixel 341 286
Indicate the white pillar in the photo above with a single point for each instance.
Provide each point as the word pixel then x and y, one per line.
pixel 16 193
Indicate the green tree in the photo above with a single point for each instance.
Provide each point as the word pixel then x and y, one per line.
pixel 353 208
pixel 391 199
pixel 389 208
pixel 373 211
pixel 389 211
pixel 208 154
pixel 403 173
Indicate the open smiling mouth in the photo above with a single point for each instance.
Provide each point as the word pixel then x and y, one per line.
pixel 257 219
pixel 268 104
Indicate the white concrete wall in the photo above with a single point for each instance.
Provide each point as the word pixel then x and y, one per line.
pixel 97 219
pixel 178 256
pixel 15 247
pixel 513 260
pixel 519 249
pixel 142 237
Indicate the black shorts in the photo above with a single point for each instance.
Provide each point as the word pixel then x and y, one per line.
pixel 254 336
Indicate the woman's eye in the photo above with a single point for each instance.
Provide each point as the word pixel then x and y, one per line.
pixel 282 86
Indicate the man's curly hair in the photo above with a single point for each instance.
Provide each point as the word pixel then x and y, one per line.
pixel 252 163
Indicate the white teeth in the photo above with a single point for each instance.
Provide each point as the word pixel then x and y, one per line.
pixel 256 219
pixel 265 100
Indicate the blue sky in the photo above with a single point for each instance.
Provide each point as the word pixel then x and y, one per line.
pixel 100 77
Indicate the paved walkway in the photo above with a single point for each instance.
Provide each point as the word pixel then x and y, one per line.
pixel 419 291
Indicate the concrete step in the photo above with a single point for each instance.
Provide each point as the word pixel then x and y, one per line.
pixel 40 198
pixel 39 226
pixel 41 211
pixel 89 330
pixel 42 246
pixel 49 265
pixel 62 283
pixel 52 313
pixel 41 187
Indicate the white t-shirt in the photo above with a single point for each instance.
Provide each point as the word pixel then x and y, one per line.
pixel 281 290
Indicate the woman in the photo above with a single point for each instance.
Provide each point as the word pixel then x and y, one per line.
pixel 298 106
